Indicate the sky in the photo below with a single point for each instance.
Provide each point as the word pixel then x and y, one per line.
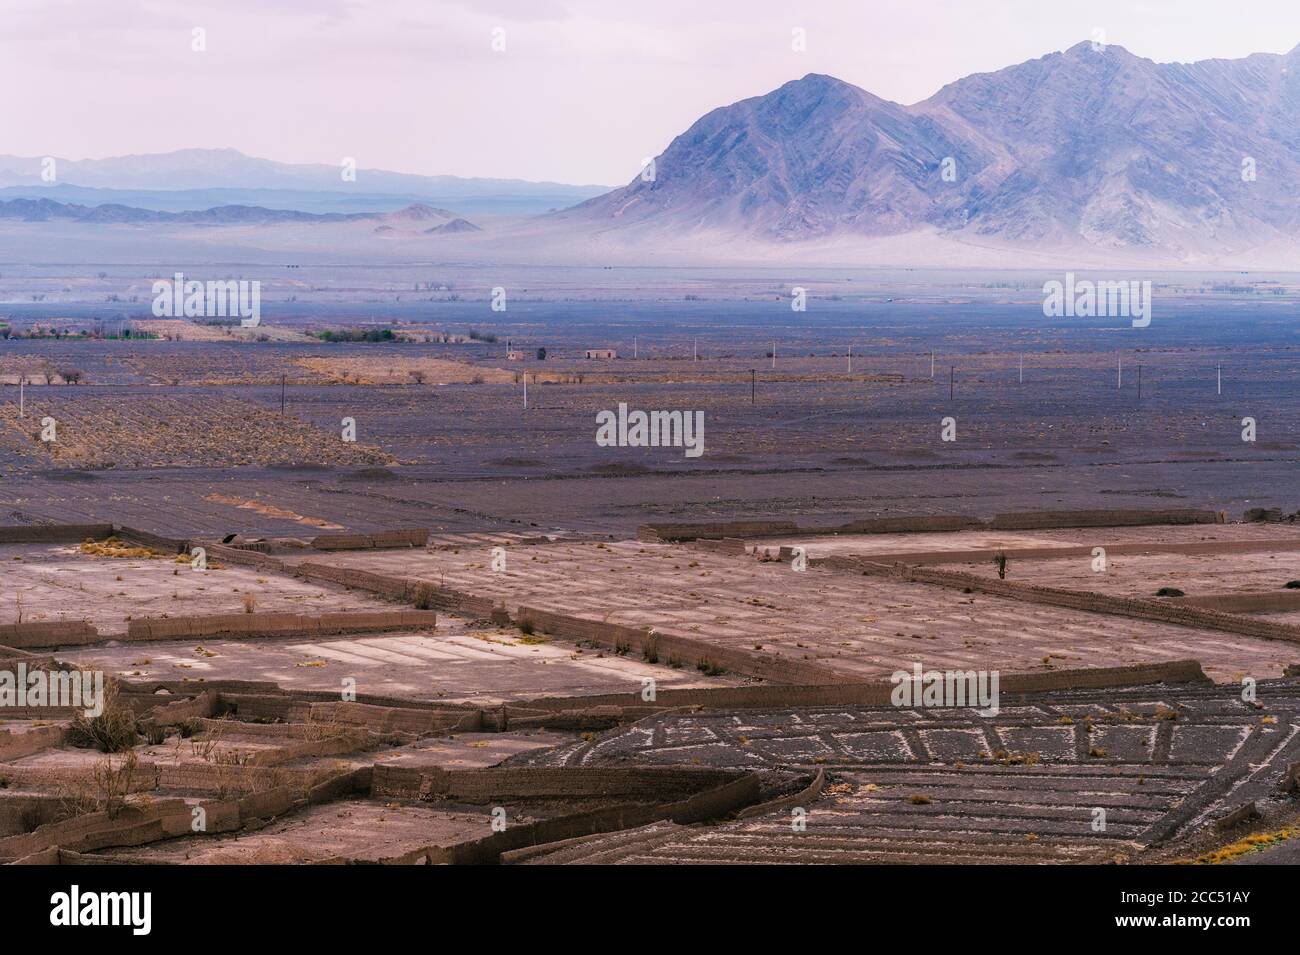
pixel 581 92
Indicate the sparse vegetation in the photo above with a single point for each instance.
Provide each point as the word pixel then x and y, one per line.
pixel 112 731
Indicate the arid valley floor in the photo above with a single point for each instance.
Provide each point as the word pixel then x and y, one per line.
pixel 473 635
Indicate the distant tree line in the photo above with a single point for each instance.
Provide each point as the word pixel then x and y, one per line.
pixel 356 335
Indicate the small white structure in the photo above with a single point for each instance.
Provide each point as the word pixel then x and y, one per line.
pixel 600 353
pixel 514 356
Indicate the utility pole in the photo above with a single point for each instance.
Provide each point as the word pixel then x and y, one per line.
pixel 850 359
pixel 952 379
pixel 1139 382
pixel 932 365
pixel 773 354
pixel 1022 369
pixel 634 346
pixel 751 385
pixel 1219 384
pixel 1119 372
pixel 695 349
pixel 22 398
pixel 525 391
pixel 282 378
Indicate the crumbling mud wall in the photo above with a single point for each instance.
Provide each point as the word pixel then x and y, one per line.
pixel 876 693
pixel 170 545
pixel 930 523
pixel 714 530
pixel 238 625
pixel 245 558
pixel 406 537
pixel 55 633
pixel 656 646
pixel 401 588
pixel 1162 611
pixel 1280 601
pixel 54 533
pixel 939 523
pixel 986 554
pixel 1039 520
pixel 736 791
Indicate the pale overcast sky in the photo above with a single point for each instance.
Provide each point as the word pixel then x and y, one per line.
pixel 582 92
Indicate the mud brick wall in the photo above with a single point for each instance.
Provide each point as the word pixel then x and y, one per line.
pixel 1281 601
pixel 875 693
pixel 900 525
pixel 15 745
pixel 668 646
pixel 22 813
pixel 388 719
pixel 58 633
pixel 543 782
pixel 930 523
pixel 405 537
pixel 710 804
pixel 1038 520
pixel 401 588
pixel 1163 611
pixel 131 826
pixel 172 545
pixel 245 558
pixel 277 624
pixel 54 533
pixel 714 530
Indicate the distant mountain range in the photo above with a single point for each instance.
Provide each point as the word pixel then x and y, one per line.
pixel 1092 156
pixel 429 219
pixel 195 179
pixel 1090 147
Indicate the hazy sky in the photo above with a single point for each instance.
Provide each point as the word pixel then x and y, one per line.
pixel 583 90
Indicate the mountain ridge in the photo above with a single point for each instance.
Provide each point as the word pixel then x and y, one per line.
pixel 1095 146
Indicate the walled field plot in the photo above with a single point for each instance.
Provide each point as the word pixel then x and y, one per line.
pixel 44 583
pixel 950 786
pixel 363 369
pixel 1143 575
pixel 887 547
pixel 154 431
pixel 458 662
pixel 864 627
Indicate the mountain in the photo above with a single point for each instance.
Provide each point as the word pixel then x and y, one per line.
pixel 427 218
pixel 193 179
pixel 1085 148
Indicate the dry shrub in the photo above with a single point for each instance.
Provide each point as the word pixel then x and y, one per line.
pixel 112 731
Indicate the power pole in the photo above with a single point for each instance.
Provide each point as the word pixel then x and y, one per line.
pixel 525 391
pixel 282 378
pixel 932 365
pixel 1119 372
pixel 1022 369
pixel 773 354
pixel 952 378
pixel 751 385
pixel 1139 382
pixel 1219 384
pixel 850 359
